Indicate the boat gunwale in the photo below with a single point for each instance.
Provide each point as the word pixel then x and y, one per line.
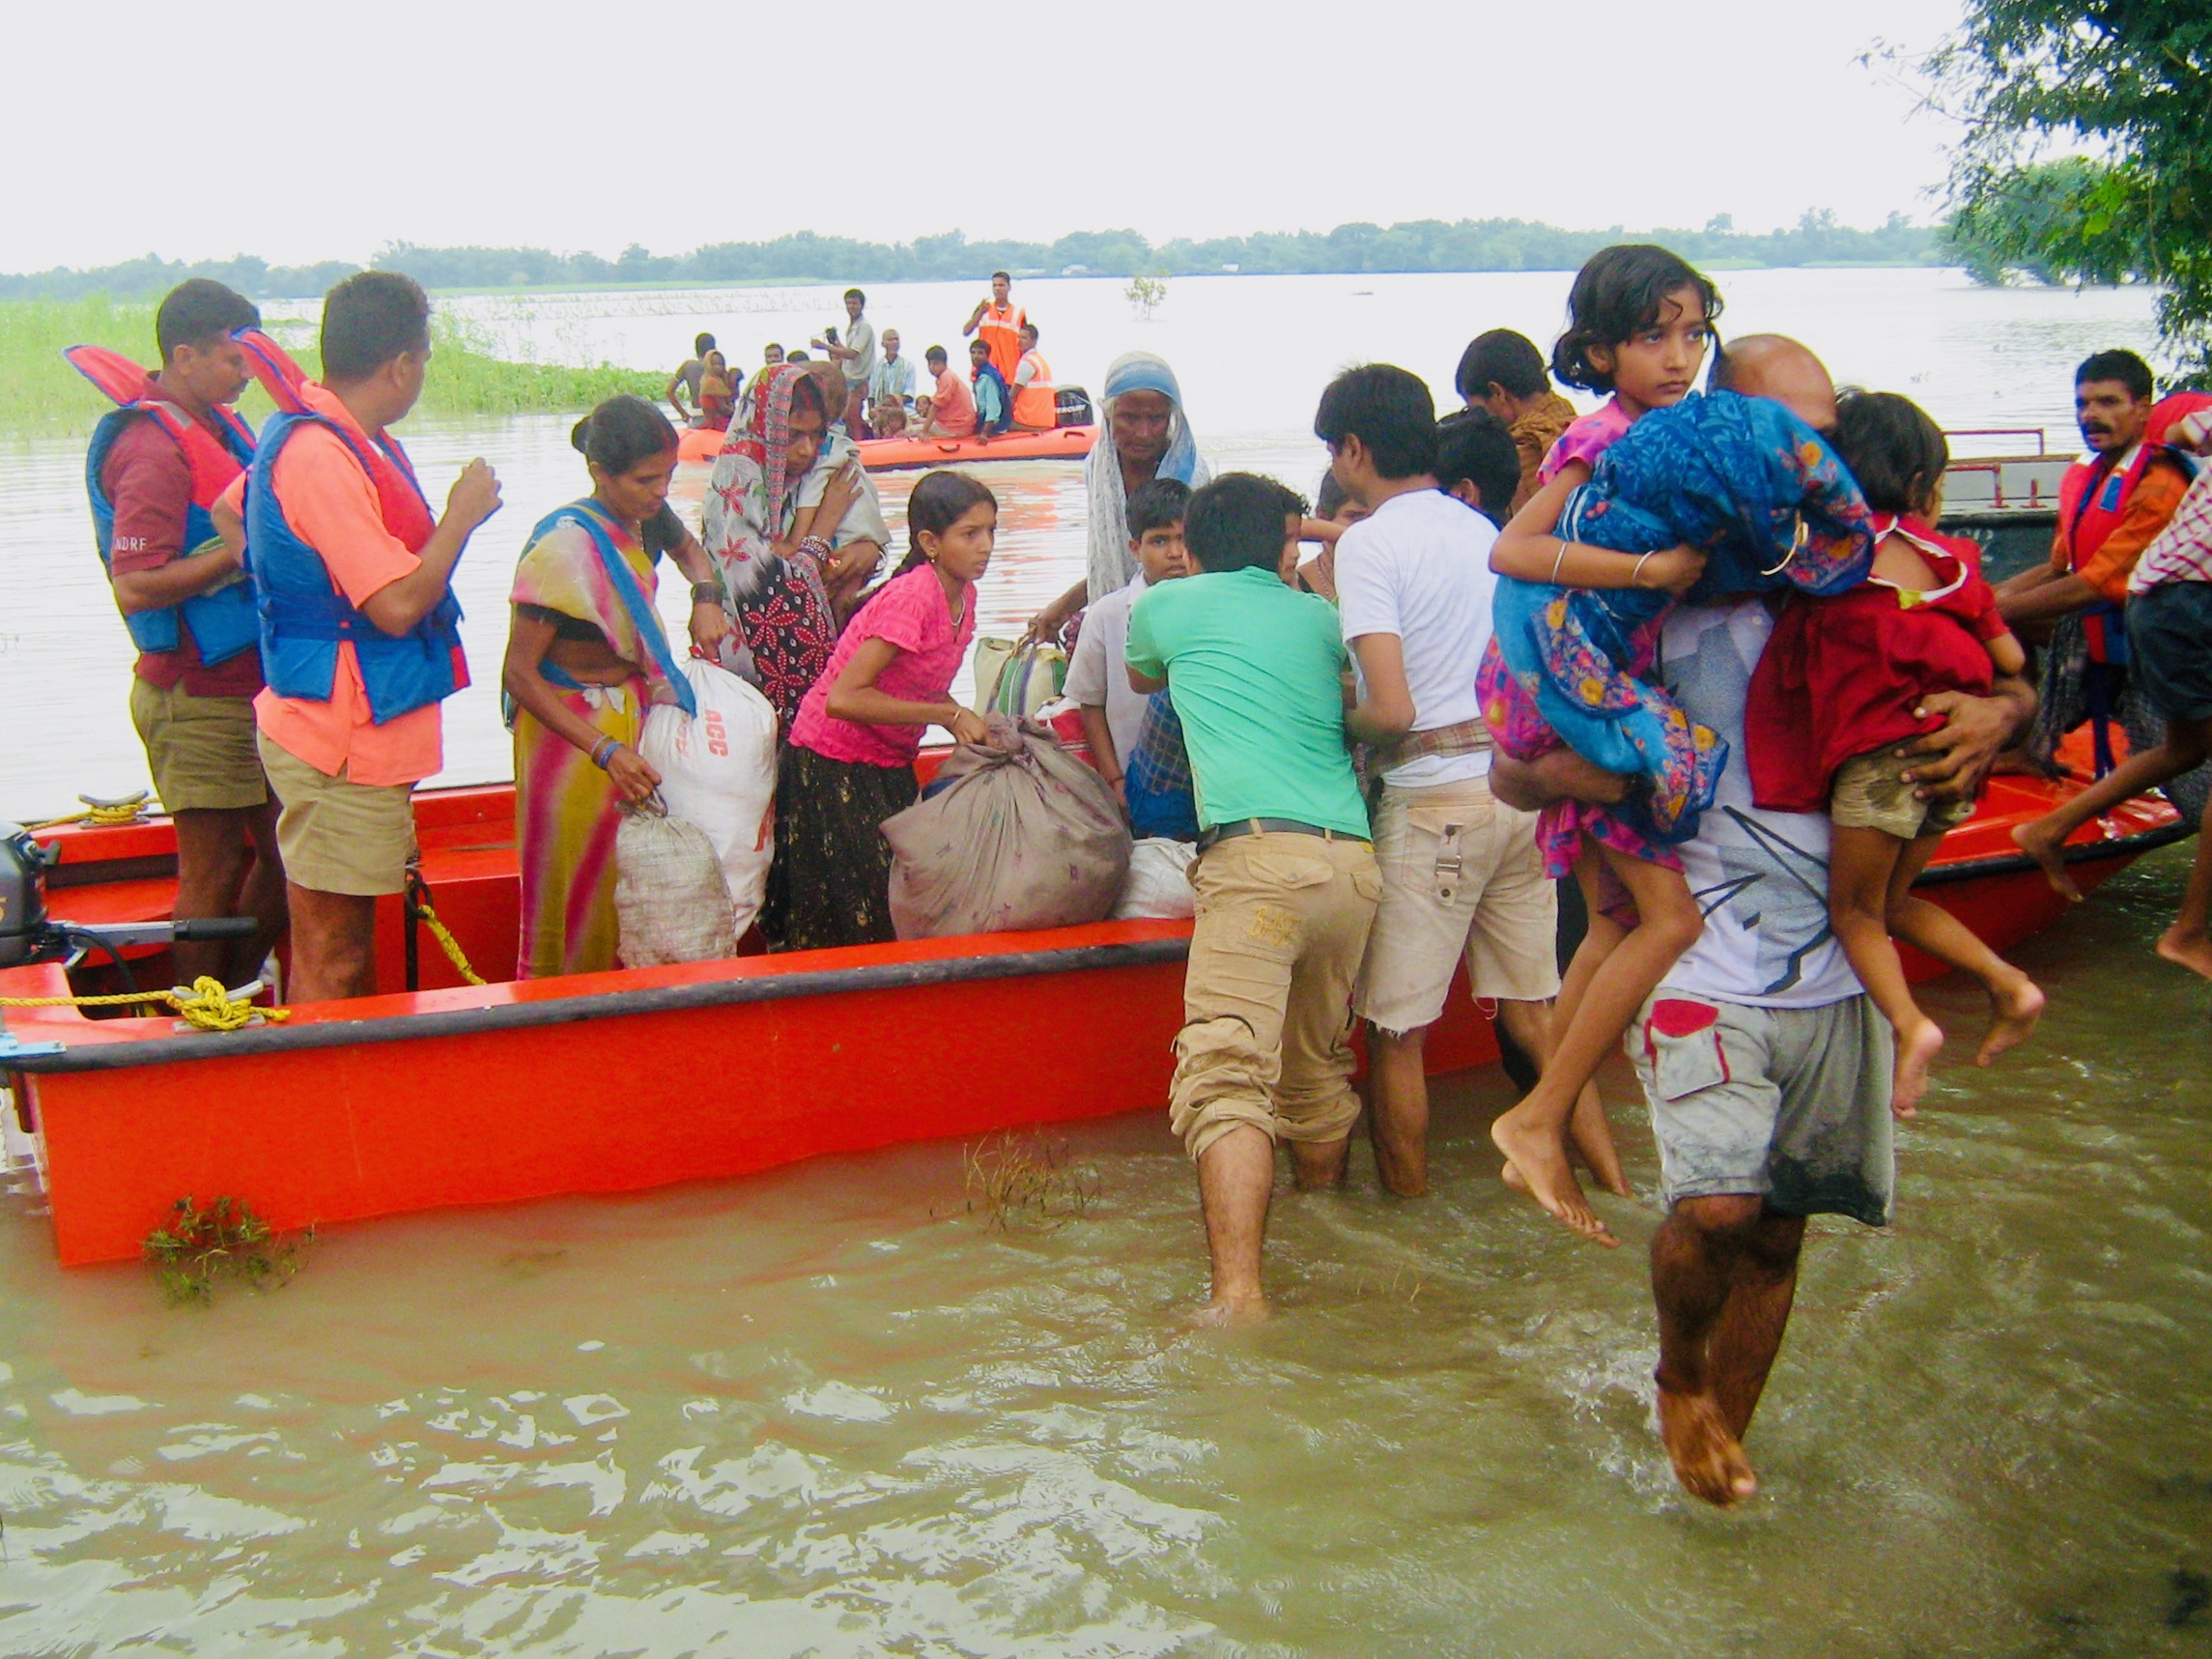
pixel 691 996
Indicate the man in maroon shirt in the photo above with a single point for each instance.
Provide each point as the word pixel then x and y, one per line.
pixel 195 718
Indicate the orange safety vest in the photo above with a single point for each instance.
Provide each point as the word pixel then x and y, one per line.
pixel 1037 404
pixel 1000 329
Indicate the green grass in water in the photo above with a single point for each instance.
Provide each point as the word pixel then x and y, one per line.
pixel 465 377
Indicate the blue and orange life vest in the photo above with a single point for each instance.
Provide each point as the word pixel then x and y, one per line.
pixel 304 617
pixel 2093 499
pixel 223 622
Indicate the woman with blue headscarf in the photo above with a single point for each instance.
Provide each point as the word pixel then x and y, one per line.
pixel 1143 436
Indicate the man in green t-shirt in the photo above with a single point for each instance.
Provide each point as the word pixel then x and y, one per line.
pixel 1286 880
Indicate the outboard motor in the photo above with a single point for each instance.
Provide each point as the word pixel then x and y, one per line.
pixel 23 925
pixel 1072 407
pixel 28 934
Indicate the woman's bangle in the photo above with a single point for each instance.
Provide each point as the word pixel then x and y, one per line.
pixel 706 593
pixel 1557 559
pixel 604 749
pixel 817 545
pixel 1636 576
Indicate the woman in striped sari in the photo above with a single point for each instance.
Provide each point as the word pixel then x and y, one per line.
pixel 586 657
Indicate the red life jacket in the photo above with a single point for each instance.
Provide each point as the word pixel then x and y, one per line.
pixel 222 622
pixel 406 513
pixel 2092 499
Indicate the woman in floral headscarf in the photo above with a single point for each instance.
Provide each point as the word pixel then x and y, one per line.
pixel 795 530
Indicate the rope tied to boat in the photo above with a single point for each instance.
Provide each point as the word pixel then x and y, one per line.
pixel 101 814
pixel 207 1004
pixel 418 909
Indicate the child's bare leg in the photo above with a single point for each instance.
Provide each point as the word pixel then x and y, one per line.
pixel 2186 746
pixel 1533 1135
pixel 2016 1001
pixel 1589 1136
pixel 2189 941
pixel 1860 862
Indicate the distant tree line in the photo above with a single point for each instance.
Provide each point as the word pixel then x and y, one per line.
pixel 1420 245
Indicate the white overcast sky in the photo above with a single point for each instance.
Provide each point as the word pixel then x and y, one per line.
pixel 310 130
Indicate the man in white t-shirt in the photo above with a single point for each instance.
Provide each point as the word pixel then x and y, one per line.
pixel 1766 1069
pixel 1460 873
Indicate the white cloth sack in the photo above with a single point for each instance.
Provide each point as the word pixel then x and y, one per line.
pixel 669 901
pixel 718 771
pixel 1160 880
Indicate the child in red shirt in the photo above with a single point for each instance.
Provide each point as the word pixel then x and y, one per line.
pixel 1840 690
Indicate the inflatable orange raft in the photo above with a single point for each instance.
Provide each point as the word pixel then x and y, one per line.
pixel 896 454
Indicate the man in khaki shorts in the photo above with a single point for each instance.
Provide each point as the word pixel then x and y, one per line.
pixel 361 638
pixel 1460 873
pixel 157 462
pixel 1285 877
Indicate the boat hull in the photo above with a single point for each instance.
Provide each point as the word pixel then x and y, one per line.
pixel 902 454
pixel 457 1095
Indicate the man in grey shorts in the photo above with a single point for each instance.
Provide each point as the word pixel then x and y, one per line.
pixel 1766 1069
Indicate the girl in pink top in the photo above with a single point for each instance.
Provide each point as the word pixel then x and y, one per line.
pixel 1639 322
pixel 850 762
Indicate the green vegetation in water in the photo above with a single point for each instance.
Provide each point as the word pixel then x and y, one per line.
pixel 197 1247
pixel 1017 1186
pixel 466 376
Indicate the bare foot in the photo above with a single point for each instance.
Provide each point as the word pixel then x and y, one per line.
pixel 2047 849
pixel 1916 1047
pixel 1593 1138
pixel 1708 1460
pixel 2016 1009
pixel 1229 1313
pixel 2193 951
pixel 1539 1158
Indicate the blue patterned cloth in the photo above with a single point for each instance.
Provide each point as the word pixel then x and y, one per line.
pixel 1156 777
pixel 1772 506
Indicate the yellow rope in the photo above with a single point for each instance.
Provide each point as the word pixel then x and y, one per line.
pixel 101 815
pixel 447 943
pixel 207 1005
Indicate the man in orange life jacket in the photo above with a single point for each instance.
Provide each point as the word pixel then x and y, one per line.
pixel 2110 506
pixel 1036 400
pixel 360 629
pixel 156 465
pixel 1001 321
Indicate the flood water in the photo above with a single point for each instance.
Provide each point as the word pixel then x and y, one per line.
pixel 833 1412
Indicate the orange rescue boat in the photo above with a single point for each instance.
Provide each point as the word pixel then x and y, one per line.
pixel 437 1093
pixel 900 454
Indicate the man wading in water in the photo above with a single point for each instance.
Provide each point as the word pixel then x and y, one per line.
pixel 1767 1068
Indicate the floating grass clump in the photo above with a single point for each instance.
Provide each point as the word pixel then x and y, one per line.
pixel 1026 1186
pixel 195 1247
pixel 466 375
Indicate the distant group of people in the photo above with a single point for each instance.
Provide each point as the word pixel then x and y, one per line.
pixel 1006 384
pixel 1705 653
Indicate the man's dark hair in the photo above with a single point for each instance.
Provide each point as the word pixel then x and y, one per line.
pixel 1504 359
pixel 1002 276
pixel 1475 445
pixel 1030 329
pixel 934 354
pixel 1618 292
pixel 199 310
pixel 2130 370
pixel 703 345
pixel 1159 504
pixel 772 346
pixel 1330 498
pixel 1238 521
pixel 1892 448
pixel 371 318
pixel 856 294
pixel 1388 410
